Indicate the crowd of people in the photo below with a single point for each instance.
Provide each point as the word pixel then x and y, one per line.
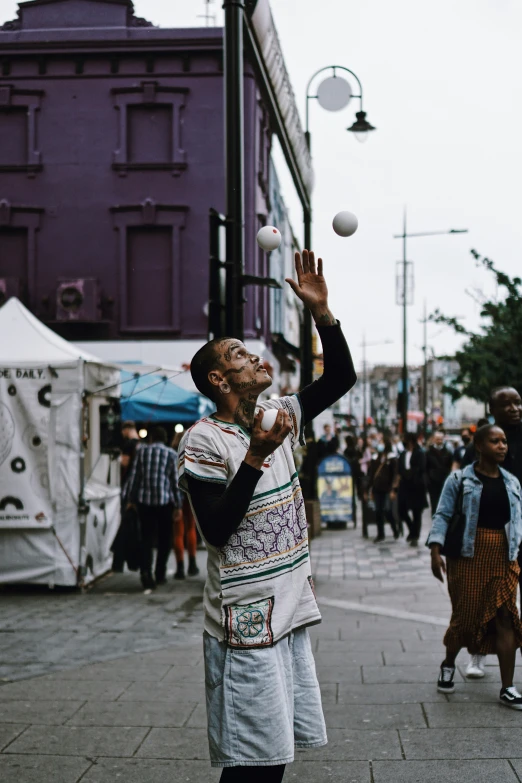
pixel 473 488
pixel 398 477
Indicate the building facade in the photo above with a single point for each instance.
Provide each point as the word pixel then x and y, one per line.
pixel 111 156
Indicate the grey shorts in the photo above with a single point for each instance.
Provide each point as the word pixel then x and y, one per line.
pixel 261 703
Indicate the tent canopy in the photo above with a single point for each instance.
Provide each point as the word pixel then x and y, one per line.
pixel 26 340
pixel 155 398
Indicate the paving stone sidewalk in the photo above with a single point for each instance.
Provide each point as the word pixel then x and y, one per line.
pixel 120 688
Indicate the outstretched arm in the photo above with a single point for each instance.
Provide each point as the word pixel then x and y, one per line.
pixel 339 374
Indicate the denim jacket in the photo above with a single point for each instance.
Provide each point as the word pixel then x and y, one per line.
pixel 472 490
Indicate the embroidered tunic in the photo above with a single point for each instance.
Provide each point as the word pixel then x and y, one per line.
pixel 259 585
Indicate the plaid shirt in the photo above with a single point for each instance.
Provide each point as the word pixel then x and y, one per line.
pixel 153 479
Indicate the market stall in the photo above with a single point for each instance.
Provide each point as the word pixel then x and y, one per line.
pixel 59 472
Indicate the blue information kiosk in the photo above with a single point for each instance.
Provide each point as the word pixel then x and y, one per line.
pixel 335 491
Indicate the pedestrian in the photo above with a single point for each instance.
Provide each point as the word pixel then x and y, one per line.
pixel 262 691
pixel 382 477
pixel 483 573
pixel 505 406
pixel 367 452
pixel 411 486
pixel 131 442
pixel 460 449
pixel 352 455
pixel 153 486
pixel 328 443
pixel 438 467
pixel 123 542
pixel 185 531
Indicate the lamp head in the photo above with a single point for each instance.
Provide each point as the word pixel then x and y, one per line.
pixel 361 127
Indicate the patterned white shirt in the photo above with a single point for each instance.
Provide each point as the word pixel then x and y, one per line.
pixel 259 585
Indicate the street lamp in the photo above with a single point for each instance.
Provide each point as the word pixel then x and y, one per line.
pixel 333 94
pixel 402 299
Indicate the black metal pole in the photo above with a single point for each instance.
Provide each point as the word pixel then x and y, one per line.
pixel 425 374
pixel 307 359
pixel 405 390
pixel 234 165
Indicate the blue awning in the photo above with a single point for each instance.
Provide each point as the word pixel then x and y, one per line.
pixel 148 398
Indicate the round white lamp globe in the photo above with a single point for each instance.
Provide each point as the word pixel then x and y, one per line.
pixel 268 238
pixel 269 417
pixel 345 224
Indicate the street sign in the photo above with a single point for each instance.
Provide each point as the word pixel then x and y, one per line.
pixel 399 282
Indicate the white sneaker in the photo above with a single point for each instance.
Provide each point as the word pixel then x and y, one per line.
pixel 475 668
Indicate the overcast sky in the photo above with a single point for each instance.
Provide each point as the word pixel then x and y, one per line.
pixel 442 86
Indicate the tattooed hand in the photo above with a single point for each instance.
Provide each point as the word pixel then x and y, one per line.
pixel 311 287
pixel 262 444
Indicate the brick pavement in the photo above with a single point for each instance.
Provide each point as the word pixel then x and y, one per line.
pixel 120 691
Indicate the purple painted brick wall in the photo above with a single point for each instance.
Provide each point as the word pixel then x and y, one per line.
pixel 111 154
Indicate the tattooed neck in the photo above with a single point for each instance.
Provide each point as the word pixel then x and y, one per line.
pixel 245 411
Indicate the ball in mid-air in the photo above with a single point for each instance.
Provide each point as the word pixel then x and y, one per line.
pixel 268 238
pixel 269 417
pixel 345 224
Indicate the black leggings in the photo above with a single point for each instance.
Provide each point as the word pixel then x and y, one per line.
pixel 253 774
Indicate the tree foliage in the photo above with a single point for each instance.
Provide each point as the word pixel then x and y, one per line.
pixel 492 356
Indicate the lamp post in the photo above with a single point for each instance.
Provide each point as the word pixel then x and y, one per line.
pixel 402 299
pixel 333 94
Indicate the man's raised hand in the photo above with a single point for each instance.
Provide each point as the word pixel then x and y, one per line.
pixel 311 287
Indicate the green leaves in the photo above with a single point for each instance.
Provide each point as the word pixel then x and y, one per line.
pixel 492 357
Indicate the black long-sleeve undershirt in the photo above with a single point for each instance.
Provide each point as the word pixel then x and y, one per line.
pixel 220 511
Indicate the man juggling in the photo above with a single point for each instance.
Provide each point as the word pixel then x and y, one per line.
pixel 262 692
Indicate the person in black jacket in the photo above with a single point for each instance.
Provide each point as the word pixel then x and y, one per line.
pixel 382 475
pixel 438 467
pixel 412 486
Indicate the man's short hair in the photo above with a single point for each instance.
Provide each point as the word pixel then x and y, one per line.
pixel 496 390
pixel 128 425
pixel 158 435
pixel 204 361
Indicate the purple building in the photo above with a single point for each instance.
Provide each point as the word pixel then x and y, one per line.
pixel 111 155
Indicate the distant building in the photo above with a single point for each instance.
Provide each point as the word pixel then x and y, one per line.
pixel 111 155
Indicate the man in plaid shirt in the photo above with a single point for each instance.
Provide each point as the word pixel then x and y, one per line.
pixel 153 487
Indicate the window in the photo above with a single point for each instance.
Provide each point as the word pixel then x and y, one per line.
pixel 13 136
pixel 150 128
pixel 150 261
pixel 149 277
pixel 149 133
pixel 13 253
pixel 18 129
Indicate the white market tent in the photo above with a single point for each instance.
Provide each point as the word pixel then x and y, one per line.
pixel 59 490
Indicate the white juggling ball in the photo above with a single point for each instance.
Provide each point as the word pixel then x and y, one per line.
pixel 269 417
pixel 268 238
pixel 345 224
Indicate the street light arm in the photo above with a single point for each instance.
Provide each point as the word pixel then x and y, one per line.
pixel 432 233
pixel 328 68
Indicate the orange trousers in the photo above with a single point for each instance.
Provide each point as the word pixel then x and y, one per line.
pixel 185 533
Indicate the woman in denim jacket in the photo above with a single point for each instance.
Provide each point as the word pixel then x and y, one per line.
pixel 483 581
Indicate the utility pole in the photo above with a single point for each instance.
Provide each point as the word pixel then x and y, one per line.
pixel 425 372
pixel 234 165
pixel 405 389
pixel 402 299
pixel 365 382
